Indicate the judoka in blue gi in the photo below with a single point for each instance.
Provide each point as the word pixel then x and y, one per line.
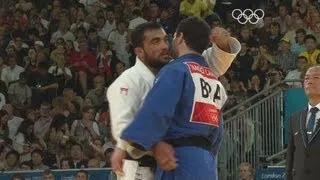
pixel 183 109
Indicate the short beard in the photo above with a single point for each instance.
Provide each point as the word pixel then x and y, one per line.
pixel 154 62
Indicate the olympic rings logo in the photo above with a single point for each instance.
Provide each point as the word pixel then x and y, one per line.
pixel 248 15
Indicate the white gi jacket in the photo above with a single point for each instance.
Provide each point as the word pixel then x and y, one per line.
pixel 127 93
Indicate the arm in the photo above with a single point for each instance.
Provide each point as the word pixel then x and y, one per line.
pixel 168 86
pixel 53 85
pixel 67 73
pixel 218 57
pixel 290 152
pixel 122 106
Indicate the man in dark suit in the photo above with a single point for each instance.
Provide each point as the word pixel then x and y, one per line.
pixel 303 152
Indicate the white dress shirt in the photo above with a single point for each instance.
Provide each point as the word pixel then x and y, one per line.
pixel 13 126
pixel 317 115
pixel 11 74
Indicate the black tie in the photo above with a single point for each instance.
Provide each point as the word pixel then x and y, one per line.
pixel 311 121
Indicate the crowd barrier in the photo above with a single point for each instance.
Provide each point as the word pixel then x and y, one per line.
pixel 94 174
pixel 271 173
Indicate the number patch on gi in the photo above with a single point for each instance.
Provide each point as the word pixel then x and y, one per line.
pixel 209 95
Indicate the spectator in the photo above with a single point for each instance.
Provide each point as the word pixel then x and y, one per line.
pixel 17 177
pixel 86 129
pixel 285 58
pixel 120 67
pixel 42 125
pixel 298 46
pixel 107 154
pixel 244 62
pixel 13 121
pixel 85 65
pixel 82 175
pixel 246 171
pixel 77 160
pixel 4 131
pixel 118 41
pixel 312 52
pixel 61 73
pixel 192 8
pixel 20 93
pixel 254 85
pixel 62 32
pixel 37 160
pixel 97 95
pixel 47 175
pixel 44 85
pixel 11 73
pixel 137 20
pixel 104 59
pixel 296 73
pixel 24 140
pixel 274 37
pixel 12 161
pixel 284 19
pixel 65 164
pixel 93 163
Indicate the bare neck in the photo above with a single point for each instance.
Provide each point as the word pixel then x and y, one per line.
pixel 314 101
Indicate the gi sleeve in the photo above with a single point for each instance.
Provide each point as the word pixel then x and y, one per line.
pixel 152 121
pixel 123 100
pixel 217 140
pixel 219 61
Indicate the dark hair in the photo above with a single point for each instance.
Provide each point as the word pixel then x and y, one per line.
pixel 137 36
pixel 310 36
pixel 13 152
pixel 302 57
pixel 92 30
pixel 301 31
pixel 37 151
pixel 195 32
pixel 65 159
pixel 76 144
pixel 3 113
pixel 47 172
pixel 84 172
pixel 136 12
pixel 17 176
pixel 24 126
pixel 23 75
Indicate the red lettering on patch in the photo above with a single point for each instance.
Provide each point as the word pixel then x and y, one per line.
pixel 124 91
pixel 205 113
pixel 204 71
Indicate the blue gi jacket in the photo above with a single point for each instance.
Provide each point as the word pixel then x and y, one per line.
pixel 185 100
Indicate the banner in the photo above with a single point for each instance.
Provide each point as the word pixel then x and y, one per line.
pixel 270 173
pixel 294 100
pixel 99 173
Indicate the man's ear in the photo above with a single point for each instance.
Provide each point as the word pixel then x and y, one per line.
pixel 139 52
pixel 179 38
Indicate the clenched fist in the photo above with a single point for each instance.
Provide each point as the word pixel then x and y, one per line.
pixel 220 37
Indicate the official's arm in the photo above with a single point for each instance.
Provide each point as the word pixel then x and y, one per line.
pixel 290 151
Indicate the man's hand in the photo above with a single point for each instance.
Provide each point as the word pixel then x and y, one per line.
pixel 220 37
pixel 165 156
pixel 117 161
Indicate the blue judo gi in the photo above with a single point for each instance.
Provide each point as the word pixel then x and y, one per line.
pixel 185 101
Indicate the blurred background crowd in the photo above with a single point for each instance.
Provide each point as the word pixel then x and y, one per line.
pixel 57 58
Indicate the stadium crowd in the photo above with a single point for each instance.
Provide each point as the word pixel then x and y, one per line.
pixel 57 59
